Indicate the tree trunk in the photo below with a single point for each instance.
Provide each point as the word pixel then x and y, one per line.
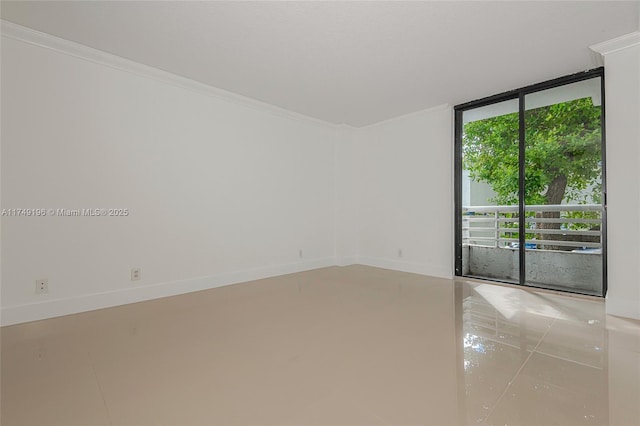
pixel 556 189
pixel 554 195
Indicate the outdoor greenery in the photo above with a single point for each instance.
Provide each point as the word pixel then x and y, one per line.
pixel 562 158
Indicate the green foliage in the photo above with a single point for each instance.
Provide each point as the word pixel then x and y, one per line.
pixel 562 141
pixel 582 215
pixel 514 224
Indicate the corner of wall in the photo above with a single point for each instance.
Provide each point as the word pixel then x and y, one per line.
pixel 405 201
pixel 622 85
pixel 346 196
pixel 194 143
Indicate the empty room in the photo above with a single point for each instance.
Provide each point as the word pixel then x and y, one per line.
pixel 320 213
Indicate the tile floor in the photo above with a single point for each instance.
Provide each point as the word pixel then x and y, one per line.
pixel 335 346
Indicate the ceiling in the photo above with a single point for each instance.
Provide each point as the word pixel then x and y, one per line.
pixel 355 63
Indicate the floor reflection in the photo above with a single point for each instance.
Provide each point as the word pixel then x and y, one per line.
pixel 545 359
pixel 334 346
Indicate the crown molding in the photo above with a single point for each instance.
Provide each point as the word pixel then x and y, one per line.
pixel 80 51
pixel 399 118
pixel 617 44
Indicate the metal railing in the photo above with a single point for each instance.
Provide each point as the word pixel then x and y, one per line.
pixel 557 227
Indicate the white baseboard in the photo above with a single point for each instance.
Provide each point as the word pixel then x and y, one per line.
pixel 622 308
pixel 73 305
pixel 415 268
pixel 54 308
pixel 58 307
pixel 346 261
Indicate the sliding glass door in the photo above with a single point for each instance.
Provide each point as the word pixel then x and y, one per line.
pixel 530 186
pixel 490 212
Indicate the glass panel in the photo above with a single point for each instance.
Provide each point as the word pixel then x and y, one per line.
pixel 563 187
pixel 490 154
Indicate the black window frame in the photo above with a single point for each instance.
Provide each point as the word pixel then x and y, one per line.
pixel 520 95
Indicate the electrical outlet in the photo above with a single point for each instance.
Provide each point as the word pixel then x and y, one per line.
pixel 300 253
pixel 42 286
pixel 135 274
pixel 399 252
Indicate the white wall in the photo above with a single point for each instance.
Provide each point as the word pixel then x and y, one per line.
pixel 622 91
pixel 346 200
pixel 405 190
pixel 224 190
pixel 219 191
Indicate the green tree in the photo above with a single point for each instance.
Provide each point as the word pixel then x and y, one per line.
pixel 562 155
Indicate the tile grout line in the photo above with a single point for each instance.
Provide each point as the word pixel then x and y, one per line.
pixel 568 360
pixel 104 401
pixel 504 392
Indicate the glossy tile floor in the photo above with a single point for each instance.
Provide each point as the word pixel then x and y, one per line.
pixel 335 346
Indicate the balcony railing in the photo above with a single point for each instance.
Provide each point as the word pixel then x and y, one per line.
pixel 573 226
